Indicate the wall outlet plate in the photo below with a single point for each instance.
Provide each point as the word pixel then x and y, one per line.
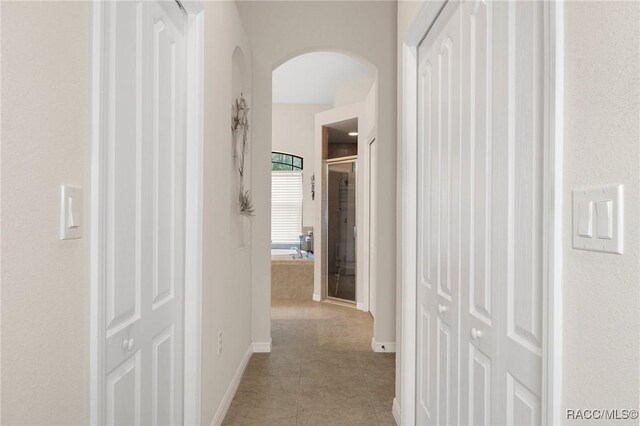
pixel 598 219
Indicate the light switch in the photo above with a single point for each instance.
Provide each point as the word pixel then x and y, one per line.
pixel 70 212
pixel 585 221
pixel 598 219
pixel 604 219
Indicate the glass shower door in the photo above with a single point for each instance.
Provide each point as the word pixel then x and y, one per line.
pixel 341 259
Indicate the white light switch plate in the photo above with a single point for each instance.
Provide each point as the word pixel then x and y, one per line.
pixel 598 219
pixel 70 212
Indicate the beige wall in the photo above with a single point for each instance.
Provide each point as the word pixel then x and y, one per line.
pixel 292 132
pixel 601 292
pixel 602 145
pixel 46 110
pixel 226 292
pixel 353 91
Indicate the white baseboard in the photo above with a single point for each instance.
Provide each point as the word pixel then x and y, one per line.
pixel 383 346
pixel 231 390
pixel 396 411
pixel 261 347
pixel 317 297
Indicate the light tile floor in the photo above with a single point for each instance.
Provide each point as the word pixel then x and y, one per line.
pixel 321 371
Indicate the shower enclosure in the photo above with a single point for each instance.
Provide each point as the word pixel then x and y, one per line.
pixel 341 235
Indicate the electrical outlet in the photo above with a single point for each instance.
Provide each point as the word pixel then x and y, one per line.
pixel 219 342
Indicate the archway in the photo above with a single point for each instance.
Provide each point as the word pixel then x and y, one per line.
pixel 314 94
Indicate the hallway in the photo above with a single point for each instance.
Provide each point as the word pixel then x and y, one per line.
pixel 321 371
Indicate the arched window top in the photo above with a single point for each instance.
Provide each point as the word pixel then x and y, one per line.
pixel 284 161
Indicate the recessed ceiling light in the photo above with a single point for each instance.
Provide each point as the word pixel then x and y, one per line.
pixel 353 133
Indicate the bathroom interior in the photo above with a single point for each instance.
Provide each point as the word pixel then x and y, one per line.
pixel 314 159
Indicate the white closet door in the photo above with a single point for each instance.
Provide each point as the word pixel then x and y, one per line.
pixel 480 215
pixel 480 396
pixel 144 219
pixel 519 198
pixel 439 193
pixel 501 296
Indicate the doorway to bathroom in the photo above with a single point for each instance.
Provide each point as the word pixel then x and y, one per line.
pixel 340 149
pixel 342 230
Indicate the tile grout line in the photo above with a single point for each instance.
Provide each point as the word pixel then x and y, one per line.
pixel 373 407
pixel 304 333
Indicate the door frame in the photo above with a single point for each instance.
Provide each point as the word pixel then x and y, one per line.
pixel 193 216
pixel 552 210
pixel 367 225
pixel 323 118
pixel 325 236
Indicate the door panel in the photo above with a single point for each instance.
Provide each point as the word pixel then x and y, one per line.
pixel 480 393
pixel 444 368
pixel 424 362
pixel 522 330
pixel 124 94
pixel 439 246
pixel 144 219
pixel 164 147
pixel 479 387
pixel 523 406
pixel 480 215
pixel 123 393
pixel 525 146
pixel 163 377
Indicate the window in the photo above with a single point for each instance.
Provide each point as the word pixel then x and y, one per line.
pixel 286 207
pixel 282 161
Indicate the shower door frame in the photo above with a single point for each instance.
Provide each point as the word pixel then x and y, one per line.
pixel 325 229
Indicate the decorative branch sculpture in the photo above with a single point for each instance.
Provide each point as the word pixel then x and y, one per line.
pixel 240 128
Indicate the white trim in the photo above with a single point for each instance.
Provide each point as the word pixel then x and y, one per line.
pixel 261 347
pixel 193 254
pixel 231 390
pixel 552 355
pixel 395 410
pixel 96 338
pixel 554 129
pixel 364 231
pixel 194 212
pixel 317 298
pixel 423 21
pixel 389 347
pixel 409 232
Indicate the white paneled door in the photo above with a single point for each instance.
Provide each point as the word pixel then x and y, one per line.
pixel 439 222
pixel 480 215
pixel 143 231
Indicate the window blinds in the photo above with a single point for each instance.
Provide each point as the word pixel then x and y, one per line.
pixel 286 207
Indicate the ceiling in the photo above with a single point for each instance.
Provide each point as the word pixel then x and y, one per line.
pixel 339 132
pixel 313 78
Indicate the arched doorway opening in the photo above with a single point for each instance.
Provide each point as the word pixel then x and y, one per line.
pixel 324 123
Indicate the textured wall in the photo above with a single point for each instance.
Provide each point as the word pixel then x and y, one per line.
pixel 46 110
pixel 226 286
pixel 602 145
